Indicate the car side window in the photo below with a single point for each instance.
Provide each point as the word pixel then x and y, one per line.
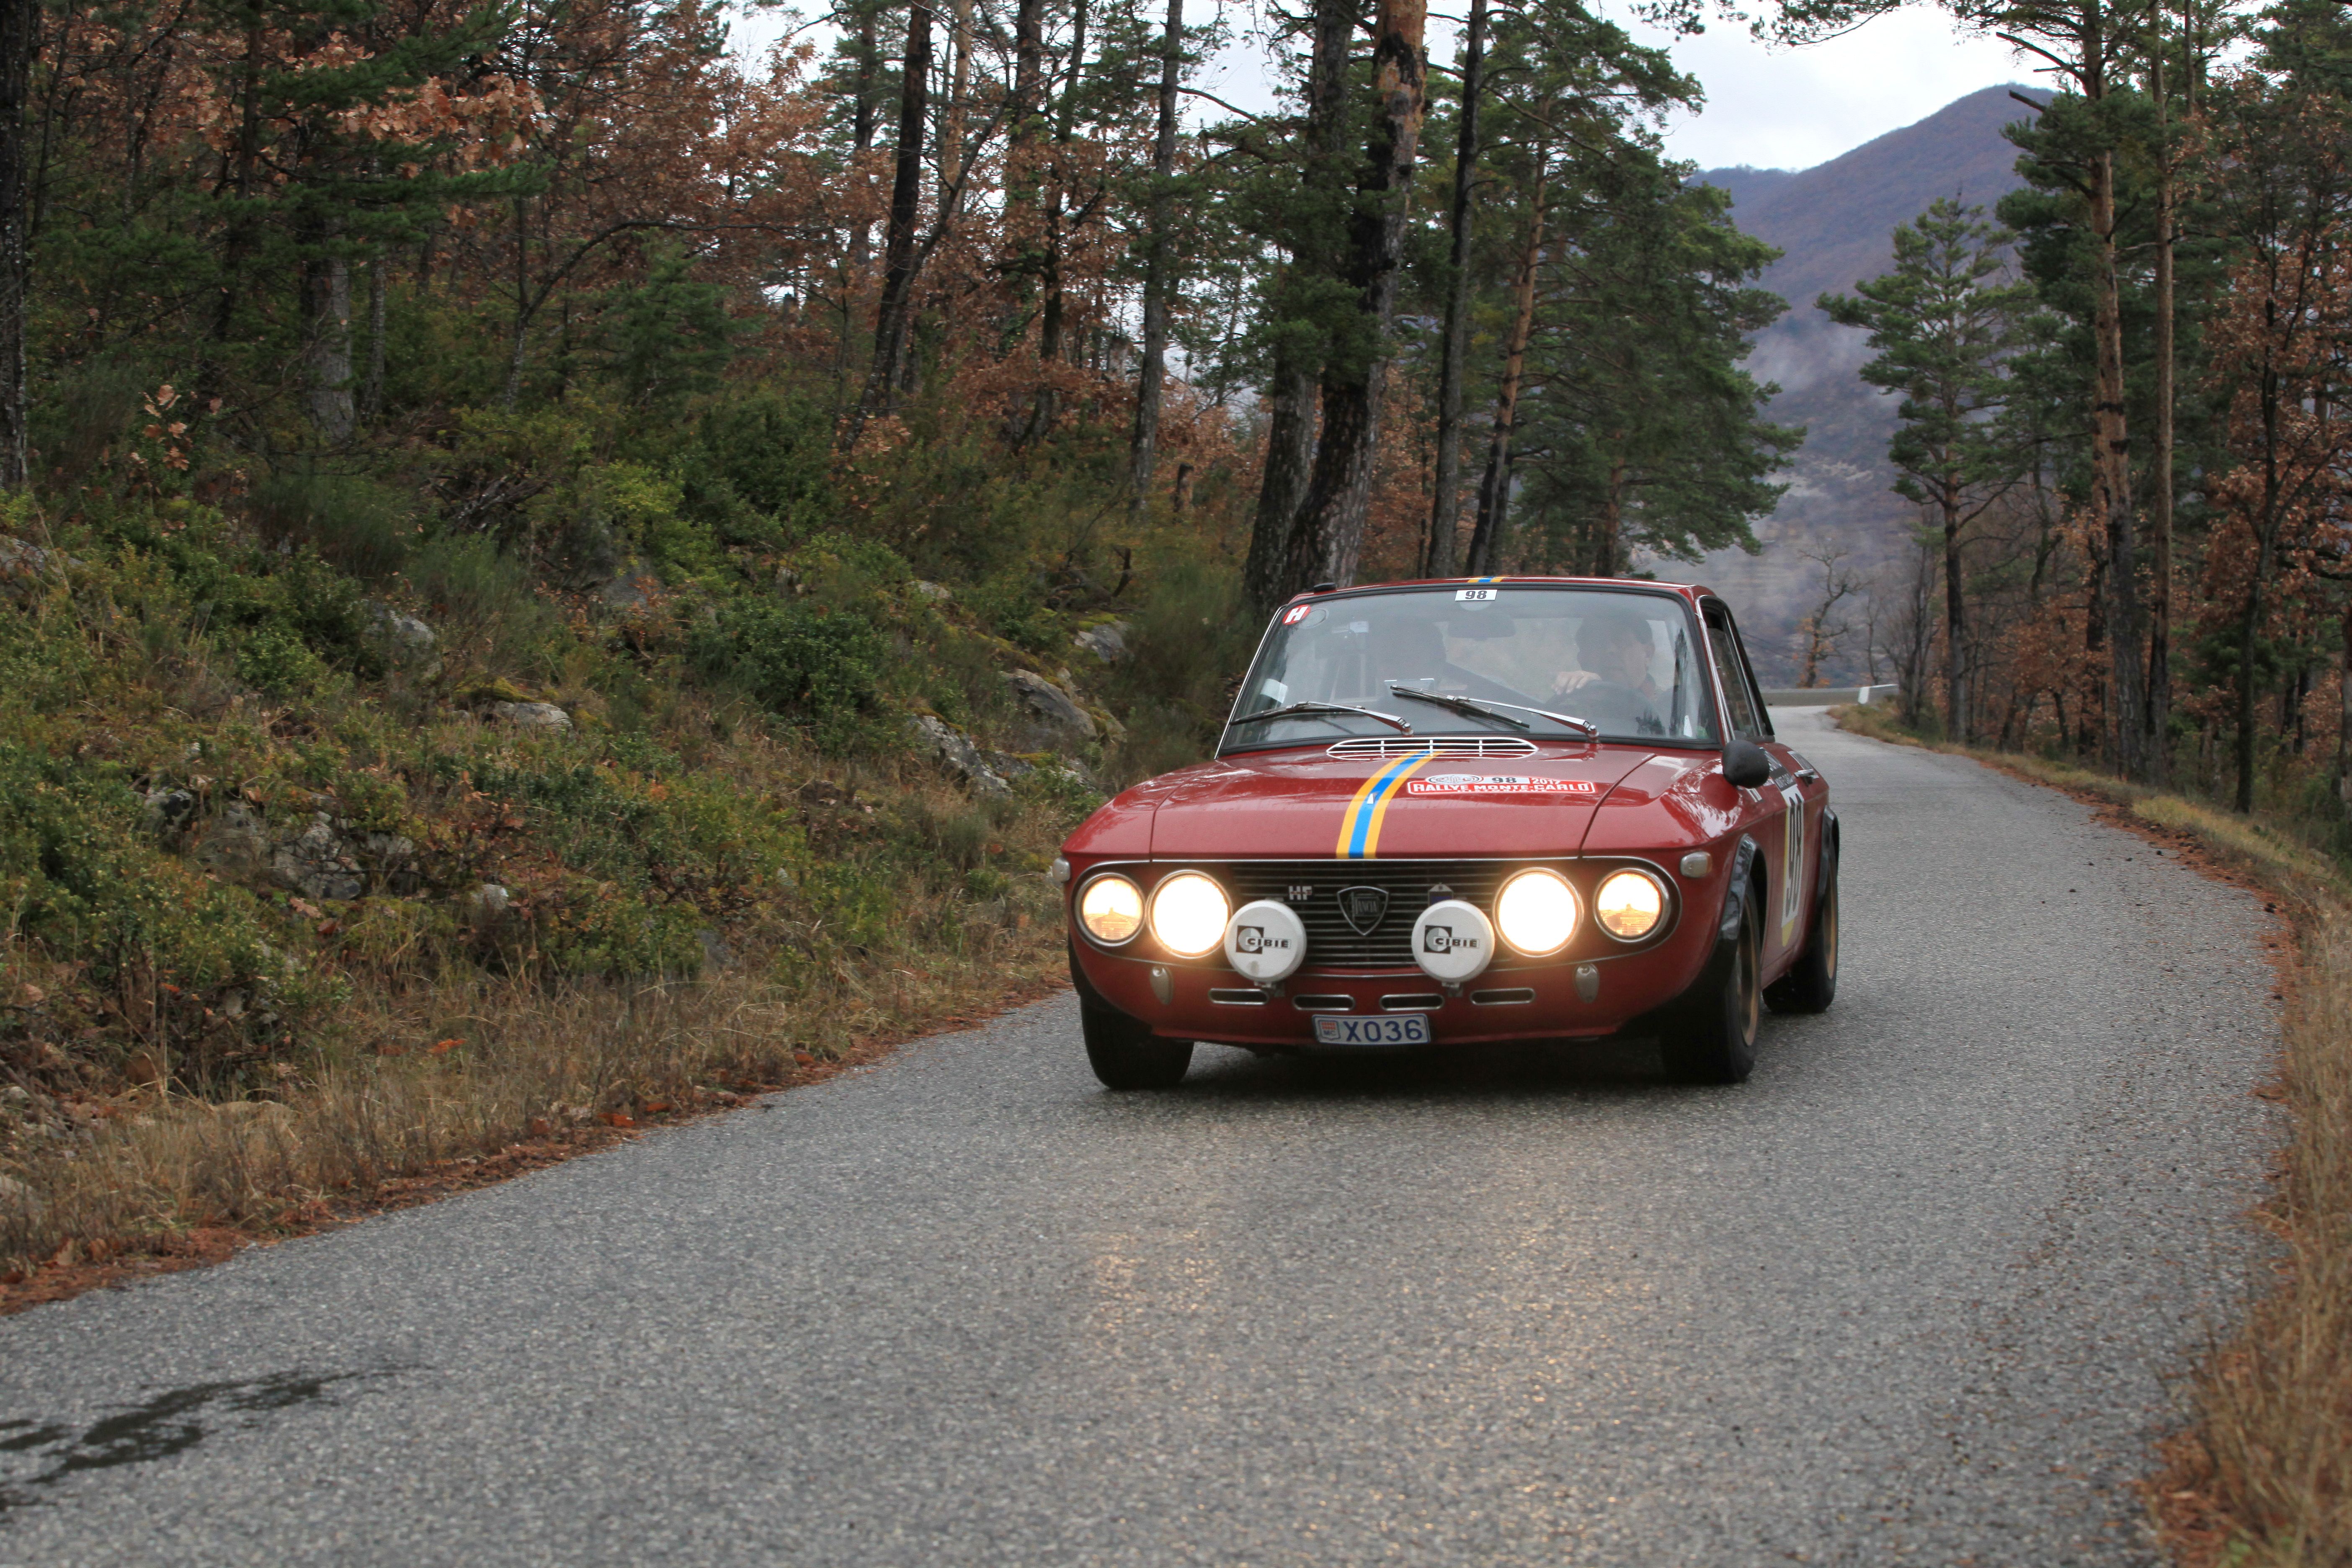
pixel 1748 722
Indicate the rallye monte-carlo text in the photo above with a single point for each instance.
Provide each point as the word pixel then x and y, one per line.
pixel 1506 808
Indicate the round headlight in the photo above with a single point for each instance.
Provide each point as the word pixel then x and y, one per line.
pixel 1188 914
pixel 1111 909
pixel 1629 905
pixel 1536 913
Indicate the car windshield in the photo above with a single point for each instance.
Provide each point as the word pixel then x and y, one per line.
pixel 1624 661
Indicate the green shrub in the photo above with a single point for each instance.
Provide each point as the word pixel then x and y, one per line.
pixel 360 526
pixel 275 662
pixel 816 665
pixel 771 449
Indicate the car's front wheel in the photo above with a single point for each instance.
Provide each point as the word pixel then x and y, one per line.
pixel 1126 1054
pixel 1714 1038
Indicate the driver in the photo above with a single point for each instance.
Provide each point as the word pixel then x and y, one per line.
pixel 1616 649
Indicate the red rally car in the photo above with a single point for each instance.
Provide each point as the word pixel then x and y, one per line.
pixel 1501 808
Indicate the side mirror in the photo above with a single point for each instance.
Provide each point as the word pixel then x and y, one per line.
pixel 1746 765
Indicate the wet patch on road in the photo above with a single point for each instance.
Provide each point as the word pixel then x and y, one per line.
pixel 168 1424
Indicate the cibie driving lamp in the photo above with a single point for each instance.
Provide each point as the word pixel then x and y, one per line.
pixel 1111 909
pixel 1188 914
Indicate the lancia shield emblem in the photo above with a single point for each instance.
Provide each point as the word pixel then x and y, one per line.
pixel 1362 907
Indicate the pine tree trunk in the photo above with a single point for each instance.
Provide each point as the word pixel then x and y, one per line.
pixel 1612 517
pixel 19 25
pixel 2160 641
pixel 1330 536
pixel 1154 368
pixel 861 130
pixel 1956 617
pixel 327 309
pixel 1290 457
pixel 1051 329
pixel 2111 485
pixel 1439 554
pixel 951 134
pixel 371 388
pixel 1495 487
pixel 2344 717
pixel 1028 72
pixel 2250 625
pixel 1291 401
pixel 899 237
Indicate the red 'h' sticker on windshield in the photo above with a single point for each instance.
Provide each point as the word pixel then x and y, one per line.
pixel 1296 614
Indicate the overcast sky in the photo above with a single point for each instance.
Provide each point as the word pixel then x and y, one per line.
pixel 1787 109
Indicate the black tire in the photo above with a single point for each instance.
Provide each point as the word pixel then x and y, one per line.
pixel 1811 985
pixel 1713 1038
pixel 1126 1054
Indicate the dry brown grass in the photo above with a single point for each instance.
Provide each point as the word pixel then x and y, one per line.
pixel 2262 1477
pixel 552 1068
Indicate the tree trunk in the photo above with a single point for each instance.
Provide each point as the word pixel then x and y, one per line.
pixel 1290 457
pixel 19 26
pixel 899 238
pixel 1028 72
pixel 1955 681
pixel 2160 640
pixel 1291 402
pixel 1445 508
pixel 2250 627
pixel 2111 484
pixel 2344 717
pixel 371 388
pixel 327 311
pixel 1051 329
pixel 1612 516
pixel 1330 536
pixel 861 237
pixel 1154 368
pixel 951 134
pixel 1495 488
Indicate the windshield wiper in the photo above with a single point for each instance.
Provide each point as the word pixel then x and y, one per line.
pixel 1457 704
pixel 1470 705
pixel 1298 710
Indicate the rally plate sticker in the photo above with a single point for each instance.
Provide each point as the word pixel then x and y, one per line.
pixel 1496 783
pixel 1338 1029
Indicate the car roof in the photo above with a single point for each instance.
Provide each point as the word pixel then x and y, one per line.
pixel 1691 591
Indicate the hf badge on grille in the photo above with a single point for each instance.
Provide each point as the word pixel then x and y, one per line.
pixel 1362 907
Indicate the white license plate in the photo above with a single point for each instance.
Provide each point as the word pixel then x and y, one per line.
pixel 1341 1030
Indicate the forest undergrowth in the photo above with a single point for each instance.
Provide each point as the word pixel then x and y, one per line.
pixel 2261 1475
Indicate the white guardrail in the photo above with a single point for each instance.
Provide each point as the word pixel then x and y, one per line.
pixel 1828 695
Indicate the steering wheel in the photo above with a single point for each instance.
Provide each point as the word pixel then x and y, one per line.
pixel 1612 699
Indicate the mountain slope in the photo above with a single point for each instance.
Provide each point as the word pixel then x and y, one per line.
pixel 1833 223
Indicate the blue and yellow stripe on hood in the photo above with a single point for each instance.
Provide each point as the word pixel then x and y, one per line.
pixel 1359 826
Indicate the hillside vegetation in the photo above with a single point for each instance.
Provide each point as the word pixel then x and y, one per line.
pixel 481 789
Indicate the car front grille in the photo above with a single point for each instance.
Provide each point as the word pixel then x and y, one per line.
pixel 1379 746
pixel 1315 888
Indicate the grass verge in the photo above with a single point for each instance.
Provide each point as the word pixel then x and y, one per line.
pixel 160 1181
pixel 2262 1478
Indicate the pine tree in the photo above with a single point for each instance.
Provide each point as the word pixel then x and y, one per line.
pixel 1943 322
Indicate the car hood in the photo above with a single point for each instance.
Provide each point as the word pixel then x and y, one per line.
pixel 1300 803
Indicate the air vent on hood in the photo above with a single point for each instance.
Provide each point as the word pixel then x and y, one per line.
pixel 1442 745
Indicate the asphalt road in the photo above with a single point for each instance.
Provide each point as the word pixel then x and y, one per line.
pixel 1913 1294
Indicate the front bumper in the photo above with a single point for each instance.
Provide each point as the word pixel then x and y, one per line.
pixel 1547 1002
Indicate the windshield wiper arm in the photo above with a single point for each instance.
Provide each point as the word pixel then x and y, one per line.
pixel 1470 705
pixel 1299 709
pixel 1457 704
